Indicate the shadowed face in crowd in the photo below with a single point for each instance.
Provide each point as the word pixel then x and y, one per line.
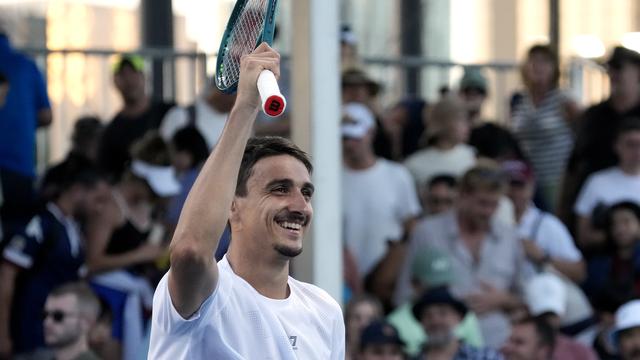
pixel 63 324
pixel 629 344
pixel 130 84
pixel 381 352
pixel 524 344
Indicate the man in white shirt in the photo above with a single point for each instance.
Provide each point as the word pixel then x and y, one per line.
pixel 612 185
pixel 246 306
pixel 380 203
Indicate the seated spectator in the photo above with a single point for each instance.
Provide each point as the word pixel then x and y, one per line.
pixel 473 238
pixel 361 311
pixel 70 312
pixel 530 339
pixel 440 314
pixel 627 330
pixel 605 304
pixel 138 115
pixel 129 236
pixel 440 194
pixel 546 298
pixel 380 341
pixel 618 268
pixel 49 252
pixel 370 222
pixel 473 93
pixel 207 114
pixel 447 153
pixel 405 125
pixel 609 186
pixel 546 241
pixel 431 269
pixel 101 339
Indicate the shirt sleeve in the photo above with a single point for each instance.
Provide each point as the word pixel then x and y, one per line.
pixel 561 245
pixel 410 204
pixel 22 249
pixel 338 352
pixel 587 198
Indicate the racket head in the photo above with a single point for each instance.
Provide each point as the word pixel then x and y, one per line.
pixel 251 23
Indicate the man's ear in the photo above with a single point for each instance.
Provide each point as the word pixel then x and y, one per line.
pixel 233 212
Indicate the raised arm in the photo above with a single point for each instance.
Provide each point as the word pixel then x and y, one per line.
pixel 194 272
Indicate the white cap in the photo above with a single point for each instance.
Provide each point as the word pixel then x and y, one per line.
pixel 161 179
pixel 628 316
pixel 357 120
pixel 546 293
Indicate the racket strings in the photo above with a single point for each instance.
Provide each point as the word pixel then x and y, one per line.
pixel 242 39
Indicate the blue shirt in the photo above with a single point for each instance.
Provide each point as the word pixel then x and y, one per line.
pixel 19 115
pixel 49 252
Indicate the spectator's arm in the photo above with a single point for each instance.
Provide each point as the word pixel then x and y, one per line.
pixel 44 117
pixel 8 275
pixel 576 271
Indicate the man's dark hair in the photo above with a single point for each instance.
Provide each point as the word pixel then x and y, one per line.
pixel 70 172
pixel 544 331
pixel 262 147
pixel 628 124
pixel 189 139
pixel 448 180
pixel 88 302
pixel 86 130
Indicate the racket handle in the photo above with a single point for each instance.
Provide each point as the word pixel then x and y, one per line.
pixel 273 103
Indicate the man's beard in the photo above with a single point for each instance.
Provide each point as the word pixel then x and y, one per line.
pixel 287 251
pixel 440 338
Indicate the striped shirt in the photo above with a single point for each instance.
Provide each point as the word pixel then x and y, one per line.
pixel 544 135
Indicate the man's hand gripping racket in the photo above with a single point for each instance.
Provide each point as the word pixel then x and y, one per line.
pixel 252 23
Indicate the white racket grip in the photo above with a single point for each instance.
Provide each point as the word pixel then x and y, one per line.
pixel 273 103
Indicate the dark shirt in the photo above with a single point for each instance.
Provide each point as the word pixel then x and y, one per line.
pixel 494 141
pixel 611 273
pixel 122 132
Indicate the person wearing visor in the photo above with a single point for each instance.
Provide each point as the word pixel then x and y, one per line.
pixel 129 236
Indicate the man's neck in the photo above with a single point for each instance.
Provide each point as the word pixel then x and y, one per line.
pixel 72 351
pixel 445 144
pixel 65 204
pixel 268 276
pixel 363 163
pixel 623 102
pixel 630 169
pixel 135 108
pixel 444 352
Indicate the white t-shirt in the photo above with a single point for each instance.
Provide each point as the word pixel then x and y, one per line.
pixel 376 203
pixel 607 187
pixel 431 161
pixel 550 234
pixel 236 322
pixel 208 121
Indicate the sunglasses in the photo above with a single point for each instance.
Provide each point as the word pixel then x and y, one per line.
pixel 57 316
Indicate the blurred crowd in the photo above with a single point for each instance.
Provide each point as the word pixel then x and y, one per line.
pixel 464 237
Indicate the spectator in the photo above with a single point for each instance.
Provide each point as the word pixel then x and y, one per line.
pixel 405 126
pixel 546 298
pixel 440 314
pixel 618 267
pixel 84 150
pixel 594 149
pixel 138 115
pixel 101 339
pixel 440 194
pixel 606 187
pixel 431 269
pixel 46 254
pixel 447 131
pixel 371 221
pixel 361 311
pixel 126 240
pixel 473 92
pixel 627 330
pixel 70 312
pixel 530 339
pixel 542 120
pixel 380 341
pixel 606 303
pixel 207 114
pixel 358 87
pixel 473 238
pixel 546 241
pixel 25 108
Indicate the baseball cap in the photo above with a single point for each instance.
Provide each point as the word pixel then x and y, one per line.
pixel 621 54
pixel 518 171
pixel 161 179
pixel 473 79
pixel 432 267
pixel 627 317
pixel 357 119
pixel 546 293
pixel 438 296
pixel 135 61
pixel 379 332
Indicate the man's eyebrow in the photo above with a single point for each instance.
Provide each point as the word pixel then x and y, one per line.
pixel 276 182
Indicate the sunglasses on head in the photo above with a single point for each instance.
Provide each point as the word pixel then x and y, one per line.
pixel 56 315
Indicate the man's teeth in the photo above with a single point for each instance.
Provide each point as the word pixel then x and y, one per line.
pixel 292 226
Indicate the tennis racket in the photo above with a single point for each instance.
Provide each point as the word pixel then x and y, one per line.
pixel 251 23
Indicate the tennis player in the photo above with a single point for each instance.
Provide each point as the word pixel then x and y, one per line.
pixel 245 306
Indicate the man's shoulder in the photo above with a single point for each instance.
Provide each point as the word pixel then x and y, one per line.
pixel 316 295
pixel 602 177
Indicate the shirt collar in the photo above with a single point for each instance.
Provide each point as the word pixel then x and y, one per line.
pixel 454 228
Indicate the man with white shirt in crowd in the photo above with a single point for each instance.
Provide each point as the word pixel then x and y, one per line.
pixel 208 114
pixel 612 185
pixel 546 240
pixel 380 203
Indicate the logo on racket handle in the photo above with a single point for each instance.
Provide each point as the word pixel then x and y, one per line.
pixel 273 103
